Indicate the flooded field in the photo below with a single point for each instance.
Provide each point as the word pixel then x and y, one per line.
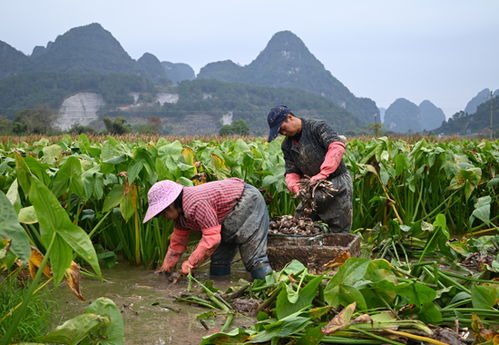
pixel 144 298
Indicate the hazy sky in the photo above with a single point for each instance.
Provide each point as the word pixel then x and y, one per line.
pixel 442 50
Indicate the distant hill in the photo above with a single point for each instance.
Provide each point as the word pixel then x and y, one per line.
pixel 151 68
pixel 286 62
pixel 177 72
pixel 477 123
pixel 12 61
pixel 402 116
pixel 431 116
pixel 481 97
pixel 88 48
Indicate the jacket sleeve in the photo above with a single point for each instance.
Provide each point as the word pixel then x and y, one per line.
pixel 178 245
pixel 210 240
pixel 332 160
pixel 292 182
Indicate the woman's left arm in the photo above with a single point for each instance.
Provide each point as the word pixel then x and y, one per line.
pixel 210 240
pixel 331 162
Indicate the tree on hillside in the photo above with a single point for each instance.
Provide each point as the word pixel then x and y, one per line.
pixel 79 129
pixel 238 127
pixel 5 125
pixel 33 121
pixel 375 128
pixel 117 126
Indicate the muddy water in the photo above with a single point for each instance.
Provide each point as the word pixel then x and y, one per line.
pixel 135 290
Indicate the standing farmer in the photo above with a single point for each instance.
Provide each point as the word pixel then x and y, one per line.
pixel 230 214
pixel 312 149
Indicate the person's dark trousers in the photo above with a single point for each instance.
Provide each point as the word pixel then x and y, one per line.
pixel 335 210
pixel 246 228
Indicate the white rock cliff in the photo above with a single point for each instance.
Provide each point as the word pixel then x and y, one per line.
pixel 80 108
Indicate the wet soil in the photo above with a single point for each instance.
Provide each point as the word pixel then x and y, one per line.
pixel 147 301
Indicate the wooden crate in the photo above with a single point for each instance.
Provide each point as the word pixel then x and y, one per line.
pixel 312 251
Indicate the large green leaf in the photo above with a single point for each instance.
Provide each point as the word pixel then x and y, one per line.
pixel 343 295
pixel 305 297
pixel 236 336
pixel 422 297
pixel 93 183
pixel 401 164
pixel 60 257
pixel 351 272
pixel 10 229
pixel 13 195
pixel 484 296
pixel 292 324
pixel 113 198
pixel 27 215
pixel 134 170
pixel 416 293
pixel 22 173
pixel 73 331
pixel 294 267
pixel 51 153
pixel 38 169
pixel 128 203
pixel 173 149
pixel 482 210
pixel 467 178
pixel 53 218
pixel 114 333
pixel 68 178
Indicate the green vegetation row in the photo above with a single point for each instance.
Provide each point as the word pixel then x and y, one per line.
pixel 400 188
pixel 363 302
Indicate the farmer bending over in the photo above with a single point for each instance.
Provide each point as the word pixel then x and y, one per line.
pixel 230 214
pixel 312 149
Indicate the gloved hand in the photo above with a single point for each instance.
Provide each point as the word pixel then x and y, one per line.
pixel 164 268
pixel 169 262
pixel 292 183
pixel 319 176
pixel 186 268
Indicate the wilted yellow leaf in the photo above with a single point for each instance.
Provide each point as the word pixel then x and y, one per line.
pixel 337 261
pixel 341 320
pixel 73 279
pixel 35 261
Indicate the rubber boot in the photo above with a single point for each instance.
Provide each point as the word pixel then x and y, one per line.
pixel 260 270
pixel 219 270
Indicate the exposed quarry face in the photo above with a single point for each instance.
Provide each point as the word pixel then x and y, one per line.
pixel 163 98
pixel 80 109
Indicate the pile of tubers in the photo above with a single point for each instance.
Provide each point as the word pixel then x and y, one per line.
pixel 308 192
pixel 289 225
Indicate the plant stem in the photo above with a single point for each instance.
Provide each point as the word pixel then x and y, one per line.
pixel 228 321
pixel 428 245
pixel 455 275
pixel 219 301
pixel 91 233
pixel 377 337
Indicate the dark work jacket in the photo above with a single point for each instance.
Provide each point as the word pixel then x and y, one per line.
pixel 306 155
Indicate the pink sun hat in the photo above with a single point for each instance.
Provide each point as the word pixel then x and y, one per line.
pixel 160 196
